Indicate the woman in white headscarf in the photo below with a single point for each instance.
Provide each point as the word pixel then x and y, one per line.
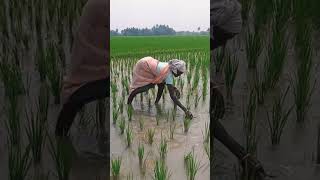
pixel 149 72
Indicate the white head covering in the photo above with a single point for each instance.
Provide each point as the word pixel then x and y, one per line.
pixel 177 65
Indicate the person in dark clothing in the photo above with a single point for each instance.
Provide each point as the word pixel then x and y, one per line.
pixel 88 79
pixel 226 22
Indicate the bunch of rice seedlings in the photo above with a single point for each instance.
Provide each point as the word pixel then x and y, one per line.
pixel 219 57
pixel 253 48
pixel 141 123
pixel 259 88
pixel 172 128
pixel 206 133
pixel 62 156
pixel 230 72
pixel 161 171
pixel 192 165
pixel 163 148
pixel 115 115
pixel 250 123
pixel 36 133
pixel 122 125
pixel 189 76
pixel 129 112
pixel 121 105
pixel 186 124
pixel 277 53
pixel 150 135
pixel 279 117
pixel 196 100
pixel 129 136
pixel 19 162
pixel 54 72
pixel 115 167
pixel 303 87
pixel 140 153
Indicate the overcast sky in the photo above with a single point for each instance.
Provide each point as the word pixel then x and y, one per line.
pixel 178 14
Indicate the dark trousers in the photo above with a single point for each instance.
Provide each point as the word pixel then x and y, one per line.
pixel 220 37
pixel 87 93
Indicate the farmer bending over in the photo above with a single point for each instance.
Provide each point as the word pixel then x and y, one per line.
pixel 226 22
pixel 88 79
pixel 149 72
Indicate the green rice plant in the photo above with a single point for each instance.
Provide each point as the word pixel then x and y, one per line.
pixel 36 133
pixel 196 100
pixel 129 112
pixel 141 123
pixel 253 48
pixel 62 156
pixel 259 88
pixel 186 124
pixel 150 135
pixel 129 135
pixel 172 128
pixel 163 148
pixel 122 125
pixel 140 153
pixel 192 165
pixel 54 72
pixel 279 117
pixel 206 146
pixel 218 60
pixel 121 103
pixel 116 167
pixel 230 72
pixel 18 163
pixel 115 115
pixel 250 124
pixel 206 133
pixel 161 171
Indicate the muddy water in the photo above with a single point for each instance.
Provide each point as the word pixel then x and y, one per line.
pixel 295 157
pixel 181 144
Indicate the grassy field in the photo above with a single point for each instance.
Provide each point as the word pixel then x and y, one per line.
pixel 129 45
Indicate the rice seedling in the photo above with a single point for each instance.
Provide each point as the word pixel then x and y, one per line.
pixel 61 154
pixel 279 117
pixel 192 165
pixel 121 105
pixel 150 135
pixel 19 162
pixel 206 146
pixel 259 88
pixel 172 128
pixel 253 48
pixel 36 133
pixel 230 72
pixel 206 133
pixel 115 115
pixel 161 171
pixel 129 112
pixel 116 167
pixel 250 124
pixel 141 123
pixel 140 153
pixel 129 135
pixel 122 125
pixel 163 148
pixel 158 116
pixel 186 124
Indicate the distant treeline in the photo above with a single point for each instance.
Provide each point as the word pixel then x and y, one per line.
pixel 155 30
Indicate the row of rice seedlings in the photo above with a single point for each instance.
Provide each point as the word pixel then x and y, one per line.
pixel 161 171
pixel 150 136
pixel 186 124
pixel 61 154
pixel 116 167
pixel 19 162
pixel 250 123
pixel 303 87
pixel 192 165
pixel 279 117
pixel 253 48
pixel 230 72
pixel 163 148
pixel 36 133
pixel 129 135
